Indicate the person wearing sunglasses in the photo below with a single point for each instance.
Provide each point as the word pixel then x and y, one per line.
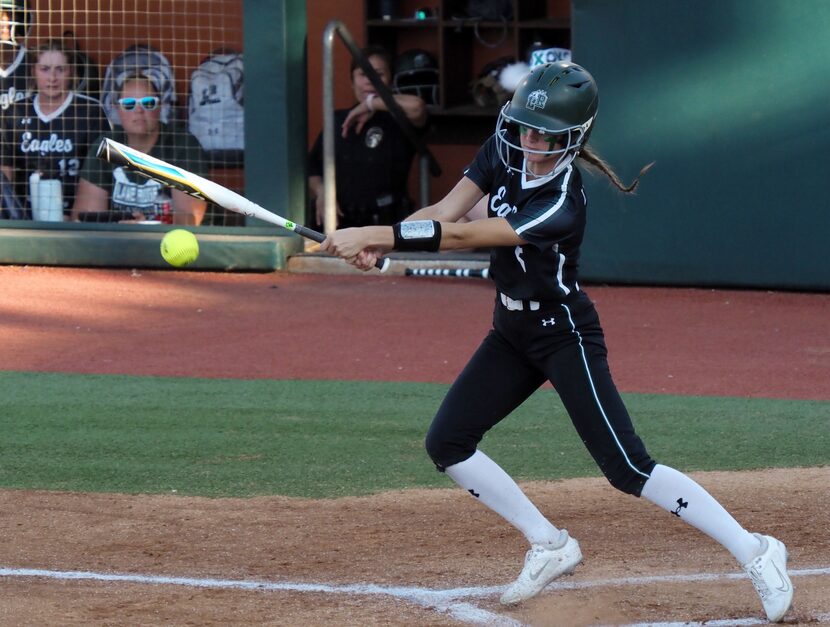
pixel 545 328
pixel 108 193
pixel 51 133
pixel 148 103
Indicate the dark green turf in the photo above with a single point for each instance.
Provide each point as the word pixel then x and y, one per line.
pixel 327 438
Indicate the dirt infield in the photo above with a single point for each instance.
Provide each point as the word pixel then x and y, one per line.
pixel 420 557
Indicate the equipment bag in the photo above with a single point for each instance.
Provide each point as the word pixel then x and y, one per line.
pixel 216 104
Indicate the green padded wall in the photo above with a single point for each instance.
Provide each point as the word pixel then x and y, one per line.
pixel 731 98
pixel 275 106
pixel 233 249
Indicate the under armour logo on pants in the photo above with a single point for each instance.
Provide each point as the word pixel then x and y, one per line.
pixel 680 505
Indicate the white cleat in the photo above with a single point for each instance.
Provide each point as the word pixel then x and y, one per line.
pixel 543 564
pixel 768 572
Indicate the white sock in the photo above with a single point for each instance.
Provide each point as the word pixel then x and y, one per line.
pixel 676 493
pixel 485 480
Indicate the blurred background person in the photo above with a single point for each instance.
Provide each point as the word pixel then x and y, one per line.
pixel 15 23
pixel 50 133
pixel 108 193
pixel 373 157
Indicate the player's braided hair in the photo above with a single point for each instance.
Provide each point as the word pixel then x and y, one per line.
pixel 596 162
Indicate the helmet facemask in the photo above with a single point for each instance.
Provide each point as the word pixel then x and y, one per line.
pixel 557 99
pixel 570 141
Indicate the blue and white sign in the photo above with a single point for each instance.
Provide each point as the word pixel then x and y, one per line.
pixel 548 55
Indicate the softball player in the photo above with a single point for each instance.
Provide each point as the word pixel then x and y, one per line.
pixel 52 131
pixel 546 328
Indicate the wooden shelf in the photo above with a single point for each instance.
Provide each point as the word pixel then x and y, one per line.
pixel 552 22
pixel 463 47
pixel 470 110
pixel 410 22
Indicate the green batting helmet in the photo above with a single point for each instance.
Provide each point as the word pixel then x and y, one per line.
pixel 559 99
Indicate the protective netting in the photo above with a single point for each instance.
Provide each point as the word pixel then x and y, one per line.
pixel 163 76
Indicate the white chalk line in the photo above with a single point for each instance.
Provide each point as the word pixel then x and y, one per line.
pixel 449 601
pixel 726 622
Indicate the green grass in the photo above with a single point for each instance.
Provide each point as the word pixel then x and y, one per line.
pixel 328 438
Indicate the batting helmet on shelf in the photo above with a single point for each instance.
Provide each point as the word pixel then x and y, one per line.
pixel 416 73
pixel 487 90
pixel 20 21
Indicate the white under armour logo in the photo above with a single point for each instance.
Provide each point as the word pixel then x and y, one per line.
pixel 549 321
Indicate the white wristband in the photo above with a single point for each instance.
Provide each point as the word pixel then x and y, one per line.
pixel 369 100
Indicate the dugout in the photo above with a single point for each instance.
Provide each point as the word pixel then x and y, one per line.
pixel 728 97
pixel 271 169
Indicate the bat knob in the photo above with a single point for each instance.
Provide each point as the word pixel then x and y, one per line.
pixel 383 264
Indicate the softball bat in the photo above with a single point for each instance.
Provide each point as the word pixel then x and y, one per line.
pixel 193 184
pixel 481 273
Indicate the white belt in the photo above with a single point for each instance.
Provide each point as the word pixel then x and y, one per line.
pixel 518 305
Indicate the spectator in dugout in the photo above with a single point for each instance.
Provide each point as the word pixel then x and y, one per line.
pixel 108 193
pixel 50 133
pixel 372 155
pixel 15 24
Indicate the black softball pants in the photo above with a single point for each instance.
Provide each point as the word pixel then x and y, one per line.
pixel 564 344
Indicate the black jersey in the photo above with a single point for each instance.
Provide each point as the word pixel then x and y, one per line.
pixel 548 213
pixel 54 144
pixel 371 169
pixel 13 79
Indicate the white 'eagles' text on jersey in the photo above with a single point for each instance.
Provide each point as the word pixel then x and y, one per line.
pixel 54 144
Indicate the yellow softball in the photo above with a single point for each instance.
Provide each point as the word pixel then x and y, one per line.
pixel 179 247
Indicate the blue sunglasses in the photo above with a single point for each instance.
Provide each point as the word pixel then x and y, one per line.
pixel 148 103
